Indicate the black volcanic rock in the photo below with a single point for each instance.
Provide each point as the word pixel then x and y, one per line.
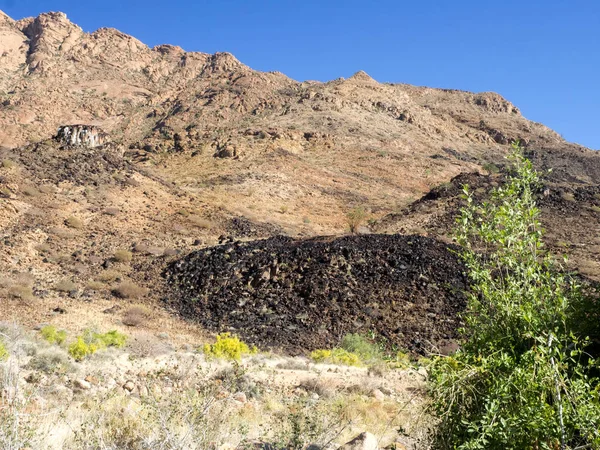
pixel 298 295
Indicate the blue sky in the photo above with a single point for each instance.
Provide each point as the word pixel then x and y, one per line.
pixel 544 56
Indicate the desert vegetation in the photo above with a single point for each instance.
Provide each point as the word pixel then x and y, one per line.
pixel 251 261
pixel 523 377
pixel 211 398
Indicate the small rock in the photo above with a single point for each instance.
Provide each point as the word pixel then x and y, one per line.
pixel 82 384
pixel 143 391
pixel 113 309
pixel 385 390
pixel 129 386
pixel 364 441
pixel 378 395
pixel 91 379
pixel 240 397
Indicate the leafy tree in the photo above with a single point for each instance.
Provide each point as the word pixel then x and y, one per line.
pixel 522 378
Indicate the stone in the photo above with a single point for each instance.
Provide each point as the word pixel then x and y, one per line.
pixel 364 441
pixel 142 391
pixel 240 397
pixel 91 379
pixel 82 384
pixel 378 395
pixel 129 386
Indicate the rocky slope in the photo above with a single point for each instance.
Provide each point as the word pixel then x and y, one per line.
pixel 304 295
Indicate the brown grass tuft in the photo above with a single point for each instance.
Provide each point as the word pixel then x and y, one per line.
pixel 136 315
pixel 74 222
pixel 122 256
pixel 128 289
pixel 65 286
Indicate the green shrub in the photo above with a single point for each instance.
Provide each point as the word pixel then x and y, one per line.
pixel 336 356
pixel 111 339
pixel 491 168
pixel 3 351
pixel 52 335
pixel 90 342
pixel 80 349
pixel 521 378
pixel 228 347
pixel 366 350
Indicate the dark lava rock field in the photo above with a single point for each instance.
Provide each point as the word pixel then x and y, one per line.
pixel 299 295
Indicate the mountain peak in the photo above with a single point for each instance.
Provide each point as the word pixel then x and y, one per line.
pixel 361 75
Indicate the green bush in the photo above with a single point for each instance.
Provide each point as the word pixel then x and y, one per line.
pixel 366 350
pixel 521 379
pixel 336 356
pixel 111 339
pixel 80 349
pixel 3 351
pixel 228 347
pixel 52 335
pixel 90 342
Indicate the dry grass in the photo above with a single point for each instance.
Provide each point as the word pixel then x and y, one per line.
pixel 47 189
pixel 122 256
pixel 148 346
pixel 128 289
pixel 65 286
pixel 95 286
pixel 112 211
pixel 568 196
pixel 43 248
pixel 109 275
pixel 200 222
pixel 74 222
pixel 8 164
pixel 30 191
pixel 21 292
pixel 355 218
pixel 136 315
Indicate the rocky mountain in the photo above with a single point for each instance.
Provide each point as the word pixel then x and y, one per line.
pixel 198 149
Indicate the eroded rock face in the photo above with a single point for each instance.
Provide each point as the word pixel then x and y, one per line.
pixel 87 136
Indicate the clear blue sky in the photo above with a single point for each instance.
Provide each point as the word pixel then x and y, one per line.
pixel 543 55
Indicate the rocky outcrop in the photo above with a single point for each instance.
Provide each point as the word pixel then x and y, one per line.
pixel 87 136
pixel 305 294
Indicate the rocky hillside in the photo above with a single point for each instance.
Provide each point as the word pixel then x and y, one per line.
pixel 200 149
